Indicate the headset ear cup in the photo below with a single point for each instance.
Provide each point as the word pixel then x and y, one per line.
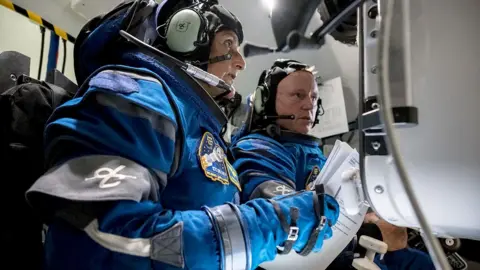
pixel 318 113
pixel 184 31
pixel 258 103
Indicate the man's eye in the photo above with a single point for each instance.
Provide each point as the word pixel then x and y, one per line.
pixel 299 95
pixel 228 43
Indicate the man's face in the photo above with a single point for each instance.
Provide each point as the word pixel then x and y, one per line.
pixel 226 42
pixel 297 95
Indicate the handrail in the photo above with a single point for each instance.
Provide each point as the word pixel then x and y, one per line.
pixel 37 19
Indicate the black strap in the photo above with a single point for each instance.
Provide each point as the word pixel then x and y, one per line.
pixel 292 233
pixel 311 242
pixel 291 230
pixel 319 206
pixel 281 216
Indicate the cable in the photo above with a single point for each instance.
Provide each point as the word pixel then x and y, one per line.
pixel 42 47
pixel 433 245
pixel 135 6
pixel 350 137
pixel 361 97
pixel 64 55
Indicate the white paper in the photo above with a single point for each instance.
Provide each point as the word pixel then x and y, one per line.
pixel 342 158
pixel 334 121
pixel 339 153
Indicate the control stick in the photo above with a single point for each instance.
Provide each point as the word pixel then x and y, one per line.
pixel 373 246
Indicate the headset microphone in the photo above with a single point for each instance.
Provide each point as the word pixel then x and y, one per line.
pixel 220 58
pixel 250 49
pixel 215 59
pixel 275 117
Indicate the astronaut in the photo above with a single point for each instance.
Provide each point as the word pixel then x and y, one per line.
pixel 274 155
pixel 126 188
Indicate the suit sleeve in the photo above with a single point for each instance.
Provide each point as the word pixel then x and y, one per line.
pixel 110 151
pixel 407 258
pixel 265 168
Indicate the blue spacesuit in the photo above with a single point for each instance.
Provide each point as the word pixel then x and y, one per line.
pixel 271 160
pixel 139 176
pixel 289 162
pixel 407 258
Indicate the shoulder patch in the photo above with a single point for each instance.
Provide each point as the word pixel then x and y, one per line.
pixel 313 175
pixel 232 175
pixel 116 81
pixel 212 159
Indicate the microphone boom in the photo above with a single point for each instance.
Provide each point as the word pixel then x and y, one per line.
pixel 288 117
pixel 250 49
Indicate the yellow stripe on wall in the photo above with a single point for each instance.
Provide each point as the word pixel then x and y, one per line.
pixel 7 4
pixel 60 32
pixel 37 19
pixel 34 17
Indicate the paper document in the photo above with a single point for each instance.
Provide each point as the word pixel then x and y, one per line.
pixel 339 153
pixel 334 120
pixel 343 159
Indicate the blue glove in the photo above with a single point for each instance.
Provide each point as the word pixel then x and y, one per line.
pixel 300 220
pixel 312 216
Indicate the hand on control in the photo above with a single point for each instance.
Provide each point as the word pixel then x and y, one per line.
pixel 395 237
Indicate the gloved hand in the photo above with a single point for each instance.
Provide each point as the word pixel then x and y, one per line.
pixel 313 213
pixel 300 220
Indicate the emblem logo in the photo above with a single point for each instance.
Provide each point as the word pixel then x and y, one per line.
pixel 282 190
pixel 232 174
pixel 105 174
pixel 212 159
pixel 311 178
pixel 182 26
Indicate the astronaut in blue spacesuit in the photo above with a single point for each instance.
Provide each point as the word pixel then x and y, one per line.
pixel 274 155
pixel 139 176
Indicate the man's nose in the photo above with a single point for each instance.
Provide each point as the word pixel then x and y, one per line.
pixel 238 61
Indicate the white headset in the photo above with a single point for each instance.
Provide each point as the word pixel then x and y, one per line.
pixel 260 98
pixel 187 30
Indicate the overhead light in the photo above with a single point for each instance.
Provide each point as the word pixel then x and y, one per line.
pixel 270 5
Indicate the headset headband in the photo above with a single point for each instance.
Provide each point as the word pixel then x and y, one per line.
pixel 281 69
